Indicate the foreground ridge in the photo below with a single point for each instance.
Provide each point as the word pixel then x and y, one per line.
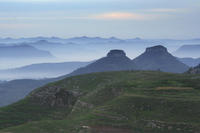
pixel 109 102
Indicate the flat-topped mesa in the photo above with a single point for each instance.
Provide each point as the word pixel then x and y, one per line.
pixel 158 48
pixel 158 58
pixel 116 53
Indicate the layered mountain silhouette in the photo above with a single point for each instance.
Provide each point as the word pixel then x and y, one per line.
pixel 158 58
pixel 23 51
pixel 188 51
pixel 41 70
pixel 192 62
pixel 154 58
pixel 116 60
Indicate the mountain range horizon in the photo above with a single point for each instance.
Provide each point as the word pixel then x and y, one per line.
pixel 84 48
pixel 27 70
pixel 46 46
pixel 94 37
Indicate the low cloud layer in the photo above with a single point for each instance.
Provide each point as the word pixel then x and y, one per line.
pixel 125 16
pixel 152 18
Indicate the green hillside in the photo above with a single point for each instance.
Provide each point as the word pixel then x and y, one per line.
pixel 110 102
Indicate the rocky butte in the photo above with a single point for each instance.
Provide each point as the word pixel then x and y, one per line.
pixel 158 58
pixel 116 60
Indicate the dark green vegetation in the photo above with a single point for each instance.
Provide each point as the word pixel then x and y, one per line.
pixel 194 70
pixel 110 102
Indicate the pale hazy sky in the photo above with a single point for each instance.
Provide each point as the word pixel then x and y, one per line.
pixel 121 18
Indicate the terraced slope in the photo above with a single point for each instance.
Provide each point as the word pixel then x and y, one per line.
pixel 110 102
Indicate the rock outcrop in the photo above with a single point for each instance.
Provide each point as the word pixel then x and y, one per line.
pixel 54 97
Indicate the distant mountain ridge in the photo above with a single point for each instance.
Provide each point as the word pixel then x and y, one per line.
pixel 188 51
pixel 42 70
pixel 23 51
pixel 100 40
pixel 192 62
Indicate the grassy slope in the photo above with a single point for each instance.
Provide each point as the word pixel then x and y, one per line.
pixel 113 101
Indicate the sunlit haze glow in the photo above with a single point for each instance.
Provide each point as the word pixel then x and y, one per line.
pixel 125 19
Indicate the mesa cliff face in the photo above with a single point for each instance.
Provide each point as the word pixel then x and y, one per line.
pixel 157 49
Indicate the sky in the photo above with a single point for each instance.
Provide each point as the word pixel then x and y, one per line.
pixel 175 19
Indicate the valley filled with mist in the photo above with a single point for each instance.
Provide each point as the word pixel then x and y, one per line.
pixel 29 57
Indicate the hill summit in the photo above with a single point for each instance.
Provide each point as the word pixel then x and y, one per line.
pixel 158 58
pixel 116 60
